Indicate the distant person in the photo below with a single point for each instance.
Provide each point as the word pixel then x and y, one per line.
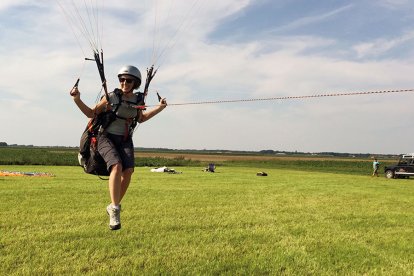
pixel 115 141
pixel 375 166
pixel 211 168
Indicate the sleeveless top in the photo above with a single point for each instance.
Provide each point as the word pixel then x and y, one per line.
pixel 125 113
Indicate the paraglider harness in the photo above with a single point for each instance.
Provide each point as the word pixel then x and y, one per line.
pixel 89 157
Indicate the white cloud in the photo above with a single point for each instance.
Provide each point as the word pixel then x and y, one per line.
pixel 6 4
pixel 43 62
pixel 381 46
pixel 292 125
pixel 395 4
pixel 307 20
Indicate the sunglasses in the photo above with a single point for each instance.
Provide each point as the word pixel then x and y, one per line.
pixel 126 80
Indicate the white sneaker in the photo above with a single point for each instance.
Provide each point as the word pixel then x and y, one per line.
pixel 81 160
pixel 114 217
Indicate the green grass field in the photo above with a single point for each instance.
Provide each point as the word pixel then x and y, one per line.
pixel 231 222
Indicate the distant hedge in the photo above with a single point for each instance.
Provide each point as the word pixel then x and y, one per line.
pixel 68 157
pixel 38 156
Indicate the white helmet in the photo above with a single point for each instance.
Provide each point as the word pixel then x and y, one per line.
pixel 131 71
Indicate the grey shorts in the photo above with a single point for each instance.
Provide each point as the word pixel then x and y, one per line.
pixel 115 149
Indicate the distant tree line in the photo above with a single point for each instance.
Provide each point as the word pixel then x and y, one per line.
pixel 4 144
pixel 334 154
pixel 217 151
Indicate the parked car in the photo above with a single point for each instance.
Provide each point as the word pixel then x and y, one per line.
pixel 404 168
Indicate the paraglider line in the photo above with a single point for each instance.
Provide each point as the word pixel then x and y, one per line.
pixel 293 97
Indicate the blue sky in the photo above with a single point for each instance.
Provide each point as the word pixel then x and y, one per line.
pixel 223 50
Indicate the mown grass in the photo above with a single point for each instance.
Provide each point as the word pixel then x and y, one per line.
pixel 230 222
pixel 344 166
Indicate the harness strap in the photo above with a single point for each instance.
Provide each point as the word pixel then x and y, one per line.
pixel 130 123
pixel 127 126
pixel 94 143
